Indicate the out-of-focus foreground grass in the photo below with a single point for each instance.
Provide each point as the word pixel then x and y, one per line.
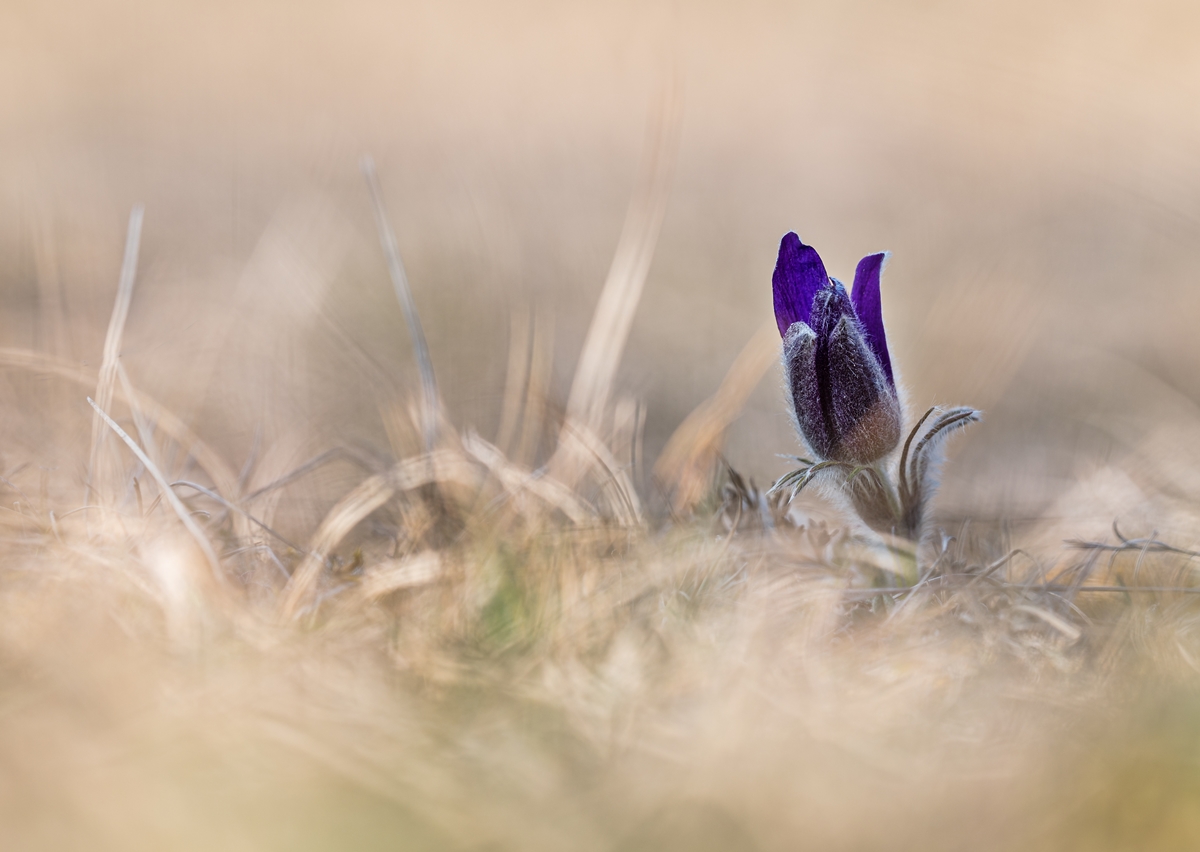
pixel 302 619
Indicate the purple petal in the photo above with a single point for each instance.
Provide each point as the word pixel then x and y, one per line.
pixel 799 274
pixel 869 308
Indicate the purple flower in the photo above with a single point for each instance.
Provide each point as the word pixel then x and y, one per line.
pixel 835 357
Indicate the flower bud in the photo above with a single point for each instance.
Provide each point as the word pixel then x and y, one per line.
pixel 838 372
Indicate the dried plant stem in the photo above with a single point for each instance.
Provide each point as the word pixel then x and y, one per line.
pixel 144 429
pixel 623 498
pixel 169 495
pixel 613 318
pixel 685 464
pixel 519 343
pixel 222 475
pixel 372 493
pixel 417 570
pixel 516 480
pixel 112 345
pixel 430 406
pixel 541 367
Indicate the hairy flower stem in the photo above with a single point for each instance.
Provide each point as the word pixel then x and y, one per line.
pixel 892 507
pixel 877 502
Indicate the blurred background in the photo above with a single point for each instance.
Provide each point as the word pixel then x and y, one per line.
pixel 520 683
pixel 1033 167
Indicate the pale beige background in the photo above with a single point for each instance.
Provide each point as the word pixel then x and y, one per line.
pixel 1035 168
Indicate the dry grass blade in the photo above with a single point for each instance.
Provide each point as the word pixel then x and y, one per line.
pixel 623 497
pixel 440 466
pixel 222 475
pixel 541 368
pixel 685 464
pixel 305 469
pixel 185 517
pixel 430 405
pixel 349 512
pixel 112 342
pixel 236 510
pixel 517 480
pixel 1057 622
pixel 139 419
pixel 609 330
pixel 437 467
pixel 627 442
pixel 397 574
pixel 519 344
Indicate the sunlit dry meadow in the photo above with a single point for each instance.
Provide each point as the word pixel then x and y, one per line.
pixel 502 572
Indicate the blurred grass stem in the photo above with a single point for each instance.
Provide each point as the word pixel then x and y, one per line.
pixel 387 238
pixel 185 517
pixel 613 317
pixel 112 345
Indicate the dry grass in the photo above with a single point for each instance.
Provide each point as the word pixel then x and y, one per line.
pixel 543 686
pixel 469 654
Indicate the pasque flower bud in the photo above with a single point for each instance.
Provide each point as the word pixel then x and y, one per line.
pixel 835 358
